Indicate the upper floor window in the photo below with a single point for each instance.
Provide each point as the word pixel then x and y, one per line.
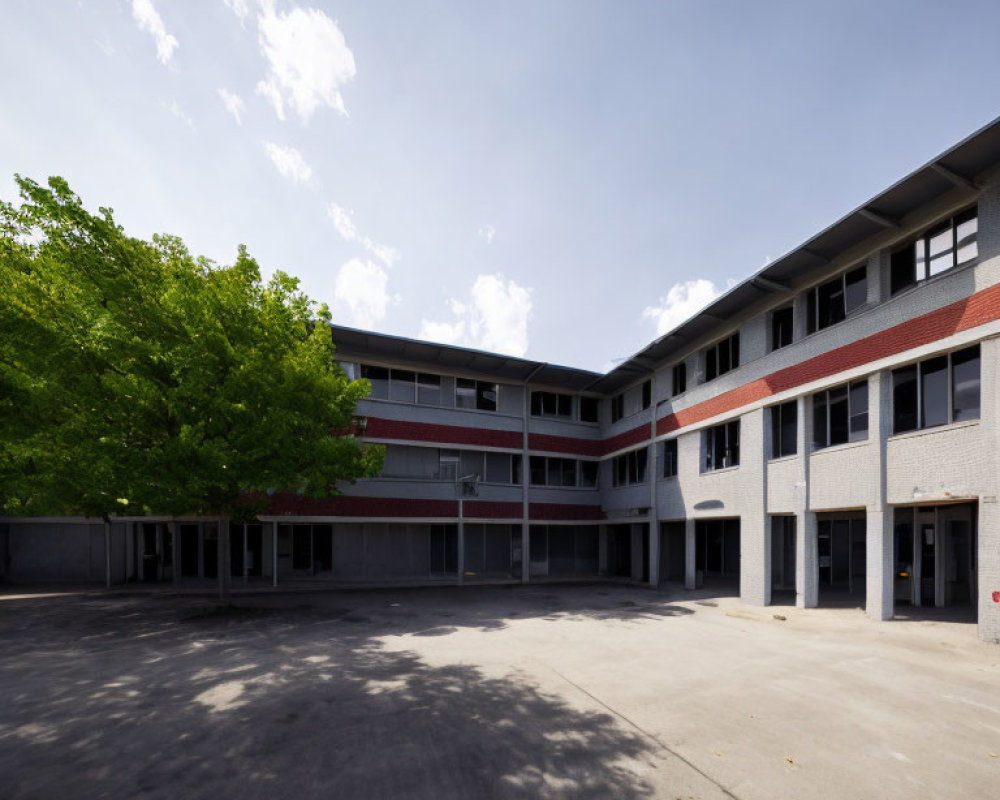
pixel 551 471
pixel 489 466
pixel 840 415
pixel 617 407
pixel 936 391
pixel 551 404
pixel 944 246
pixel 832 302
pixel 589 409
pixel 722 357
pixel 632 400
pixel 629 468
pixel 669 458
pixel 476 394
pixel 722 446
pixel 781 327
pixel 679 379
pixel 784 429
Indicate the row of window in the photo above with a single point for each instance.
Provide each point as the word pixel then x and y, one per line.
pixel 632 401
pixel 933 392
pixel 422 388
pixel 557 404
pixel 425 463
pixel 949 244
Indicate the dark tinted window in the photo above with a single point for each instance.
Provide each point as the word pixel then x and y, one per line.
pixel 781 327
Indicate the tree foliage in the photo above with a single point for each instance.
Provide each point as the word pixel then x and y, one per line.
pixel 135 378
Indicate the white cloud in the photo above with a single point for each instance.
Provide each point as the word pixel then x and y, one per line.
pixel 149 20
pixel 487 232
pixel 343 222
pixel 495 318
pixel 175 110
pixel 363 286
pixel 238 7
pixel 308 60
pixel 289 162
pixel 233 103
pixel 681 302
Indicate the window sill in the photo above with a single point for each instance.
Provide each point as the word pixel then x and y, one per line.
pixel 562 488
pixel 836 448
pixel 783 459
pixel 722 471
pixel 958 268
pixel 951 426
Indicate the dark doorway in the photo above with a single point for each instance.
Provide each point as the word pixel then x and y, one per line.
pixel 673 551
pixel 189 551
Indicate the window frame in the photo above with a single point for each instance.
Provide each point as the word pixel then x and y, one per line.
pixel 730 446
pixel 778 341
pixel 915 257
pixel 851 397
pixel 629 469
pixel 918 370
pixel 678 378
pixel 670 460
pixel 730 346
pixel 814 295
pixel 779 418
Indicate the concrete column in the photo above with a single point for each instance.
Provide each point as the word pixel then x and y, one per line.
pixel 879 567
pixel 525 552
pixel 654 551
pixel 806 568
pixel 461 544
pixel 988 569
pixel 880 544
pixel 274 553
pixel 806 561
pixel 988 519
pixel 755 534
pixel 690 543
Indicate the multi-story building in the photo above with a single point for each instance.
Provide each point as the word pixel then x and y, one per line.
pixel 827 428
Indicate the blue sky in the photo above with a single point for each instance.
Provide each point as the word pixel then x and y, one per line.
pixel 561 180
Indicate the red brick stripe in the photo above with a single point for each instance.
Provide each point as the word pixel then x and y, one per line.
pixel 378 428
pixel 400 507
pixel 978 309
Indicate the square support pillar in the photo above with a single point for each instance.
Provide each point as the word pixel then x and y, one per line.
pixel 988 566
pixel 879 584
pixel 690 545
pixel 806 561
pixel 654 552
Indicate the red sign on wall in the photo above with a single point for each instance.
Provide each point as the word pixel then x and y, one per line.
pixel 996 597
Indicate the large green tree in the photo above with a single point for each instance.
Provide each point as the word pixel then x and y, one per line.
pixel 136 379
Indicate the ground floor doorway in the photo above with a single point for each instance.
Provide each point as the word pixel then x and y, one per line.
pixel 673 551
pixel 935 555
pixel 717 552
pixel 841 558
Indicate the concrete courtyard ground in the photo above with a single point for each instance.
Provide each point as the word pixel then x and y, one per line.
pixel 576 691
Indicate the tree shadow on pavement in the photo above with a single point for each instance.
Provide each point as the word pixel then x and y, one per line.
pixel 131 697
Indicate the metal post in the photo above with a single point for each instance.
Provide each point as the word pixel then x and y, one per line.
pixel 175 542
pixel 107 555
pixel 461 543
pixel 244 554
pixel 274 553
